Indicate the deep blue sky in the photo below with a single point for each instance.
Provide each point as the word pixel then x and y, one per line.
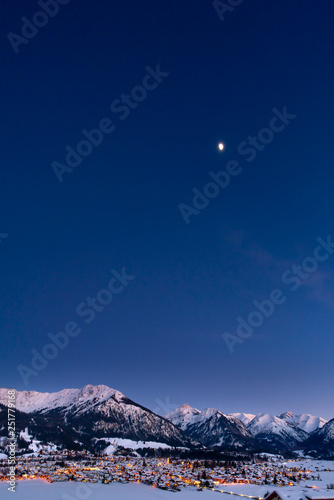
pixel 161 338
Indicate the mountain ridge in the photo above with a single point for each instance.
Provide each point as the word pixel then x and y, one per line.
pixel 81 417
pixel 95 412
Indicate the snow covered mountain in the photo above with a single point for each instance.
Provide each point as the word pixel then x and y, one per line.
pixel 262 432
pixel 183 416
pixel 96 417
pixel 305 422
pixel 244 417
pixel 321 442
pixel 94 412
pixel 31 401
pixel 212 428
pixel 275 433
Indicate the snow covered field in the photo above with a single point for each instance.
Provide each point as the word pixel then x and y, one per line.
pixel 129 443
pixel 40 490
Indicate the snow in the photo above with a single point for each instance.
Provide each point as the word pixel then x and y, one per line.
pixel 40 490
pixel 104 407
pixel 244 417
pixel 128 443
pixel 322 494
pixel 30 401
pixel 327 431
pixel 209 412
pixel 287 428
pixel 304 421
pixel 264 423
pixel 285 492
pixel 183 416
pixel 25 435
pixel 34 444
pixel 310 487
pixel 286 424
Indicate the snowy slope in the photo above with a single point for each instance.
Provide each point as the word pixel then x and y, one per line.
pixel 245 418
pixel 304 421
pixel 110 445
pixel 276 432
pixel 321 442
pixel 327 432
pixel 31 401
pixel 183 416
pixel 71 490
pixel 80 415
pixel 212 428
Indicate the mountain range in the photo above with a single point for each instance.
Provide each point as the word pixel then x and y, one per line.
pixel 75 417
pixel 248 432
pixel 93 417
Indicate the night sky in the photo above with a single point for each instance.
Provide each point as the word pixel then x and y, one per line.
pixel 209 78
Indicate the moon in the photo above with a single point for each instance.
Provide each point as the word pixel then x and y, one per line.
pixel 221 146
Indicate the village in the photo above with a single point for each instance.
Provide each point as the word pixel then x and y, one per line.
pixel 175 474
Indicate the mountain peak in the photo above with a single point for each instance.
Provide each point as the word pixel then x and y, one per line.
pixel 183 416
pixel 31 401
pixel 91 413
pixel 210 412
pixel 186 407
pixel 304 421
pixel 245 418
pixel 211 427
pixel 286 415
